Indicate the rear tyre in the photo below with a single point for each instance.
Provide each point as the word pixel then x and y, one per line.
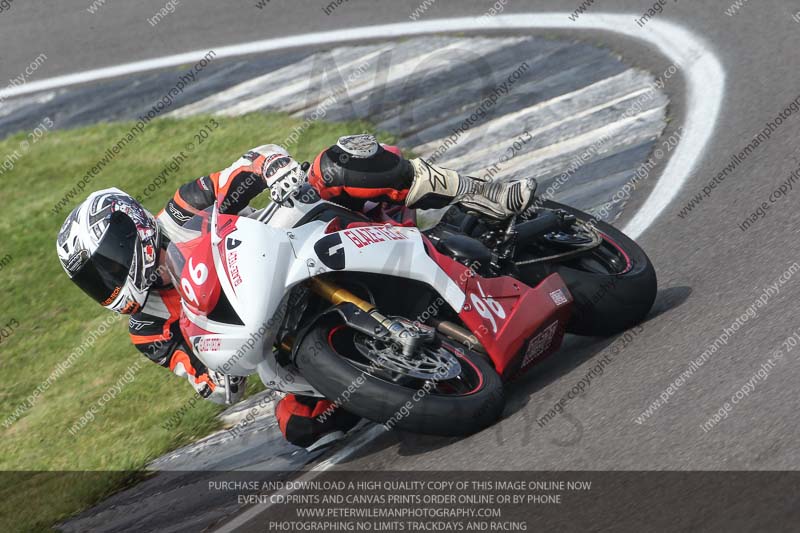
pixel 613 287
pixel 328 359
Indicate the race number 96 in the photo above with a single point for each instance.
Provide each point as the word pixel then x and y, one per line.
pixel 199 275
pixel 488 308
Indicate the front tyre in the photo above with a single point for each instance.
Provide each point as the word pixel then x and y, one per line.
pixel 331 358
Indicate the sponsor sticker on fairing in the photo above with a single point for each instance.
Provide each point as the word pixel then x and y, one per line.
pixel 208 344
pixel 558 297
pixel 539 344
pixel 365 236
pixel 233 267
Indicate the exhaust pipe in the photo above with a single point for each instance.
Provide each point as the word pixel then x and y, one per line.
pixel 459 334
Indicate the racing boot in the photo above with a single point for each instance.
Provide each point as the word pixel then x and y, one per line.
pixel 434 186
pixel 312 423
pixel 359 167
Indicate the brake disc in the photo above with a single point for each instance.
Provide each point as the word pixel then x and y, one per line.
pixel 427 363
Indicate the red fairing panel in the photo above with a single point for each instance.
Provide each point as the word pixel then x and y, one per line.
pixel 518 325
pixel 199 286
pixel 226 224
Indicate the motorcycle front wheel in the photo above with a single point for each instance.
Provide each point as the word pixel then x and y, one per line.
pixel 442 390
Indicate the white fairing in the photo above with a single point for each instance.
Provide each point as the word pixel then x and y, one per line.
pixel 390 250
pixel 258 265
pixel 252 263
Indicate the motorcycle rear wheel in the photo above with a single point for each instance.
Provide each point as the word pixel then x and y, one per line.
pixel 614 286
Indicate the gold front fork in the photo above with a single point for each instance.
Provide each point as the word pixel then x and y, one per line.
pixel 337 295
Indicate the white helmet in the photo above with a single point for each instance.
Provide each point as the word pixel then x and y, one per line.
pixel 108 247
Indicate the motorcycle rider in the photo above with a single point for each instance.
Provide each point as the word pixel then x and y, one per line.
pixel 111 247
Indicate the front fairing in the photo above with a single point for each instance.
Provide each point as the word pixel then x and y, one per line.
pixel 232 282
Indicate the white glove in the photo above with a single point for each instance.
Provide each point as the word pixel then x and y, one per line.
pixel 213 386
pixel 282 173
pixel 222 383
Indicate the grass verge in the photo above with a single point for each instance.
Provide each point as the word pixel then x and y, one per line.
pixel 44 317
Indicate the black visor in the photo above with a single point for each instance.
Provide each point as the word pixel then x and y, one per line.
pixel 104 274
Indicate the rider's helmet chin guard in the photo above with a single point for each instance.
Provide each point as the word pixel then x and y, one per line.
pixel 108 246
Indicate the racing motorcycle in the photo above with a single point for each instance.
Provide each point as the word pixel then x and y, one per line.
pixel 409 328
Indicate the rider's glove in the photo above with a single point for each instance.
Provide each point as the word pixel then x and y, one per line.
pixel 221 383
pixel 283 175
pixel 211 385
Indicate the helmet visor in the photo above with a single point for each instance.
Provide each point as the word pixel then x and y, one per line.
pixel 105 273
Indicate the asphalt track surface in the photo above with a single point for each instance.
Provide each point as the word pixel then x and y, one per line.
pixel 709 270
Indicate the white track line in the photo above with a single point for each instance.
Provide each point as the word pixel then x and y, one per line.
pixel 704 76
pixel 705 79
